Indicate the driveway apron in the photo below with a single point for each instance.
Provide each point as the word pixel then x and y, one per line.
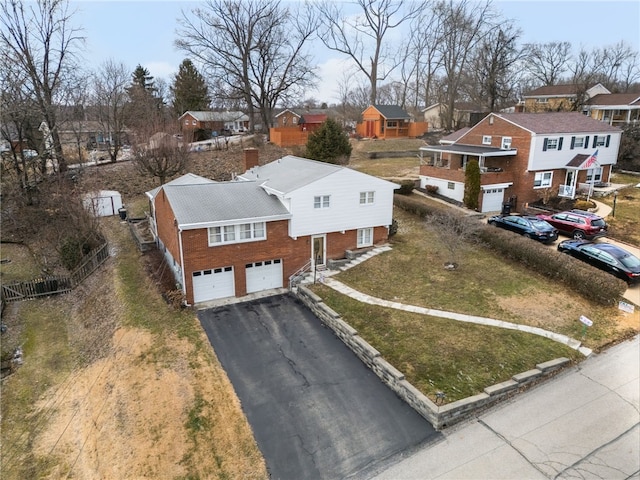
pixel 316 410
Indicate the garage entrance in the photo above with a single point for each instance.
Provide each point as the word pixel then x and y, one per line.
pixel 213 284
pixel 264 275
pixel 492 199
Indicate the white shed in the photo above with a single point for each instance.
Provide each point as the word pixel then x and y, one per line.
pixel 103 203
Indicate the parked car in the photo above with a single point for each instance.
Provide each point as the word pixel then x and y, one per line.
pixel 577 224
pixel 531 227
pixel 605 256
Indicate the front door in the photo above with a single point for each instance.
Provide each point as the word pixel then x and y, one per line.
pixel 318 253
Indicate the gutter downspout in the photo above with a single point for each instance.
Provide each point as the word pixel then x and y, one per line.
pixel 184 285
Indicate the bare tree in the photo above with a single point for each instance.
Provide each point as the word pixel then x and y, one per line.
pixel 455 231
pixel 162 158
pixel 37 38
pixel 361 37
pixel 492 71
pixel 253 49
pixel 110 100
pixel 547 62
pixel 465 24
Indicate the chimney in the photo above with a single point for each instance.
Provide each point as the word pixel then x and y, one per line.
pixel 250 158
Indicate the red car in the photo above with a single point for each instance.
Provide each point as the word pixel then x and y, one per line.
pixel 577 224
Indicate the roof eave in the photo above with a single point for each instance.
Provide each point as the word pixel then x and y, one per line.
pixel 234 221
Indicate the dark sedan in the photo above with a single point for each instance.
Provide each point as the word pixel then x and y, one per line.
pixel 604 256
pixel 531 227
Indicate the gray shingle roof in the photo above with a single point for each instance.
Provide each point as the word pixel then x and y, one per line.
pixel 557 122
pixel 199 205
pixel 290 173
pixel 186 179
pixel 392 112
pixel 554 90
pixel 217 116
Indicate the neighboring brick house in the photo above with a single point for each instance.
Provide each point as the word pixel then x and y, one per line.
pixel 214 121
pixel 558 98
pixel 225 239
pixel 389 121
pixel 292 127
pixel 523 156
pixel 616 109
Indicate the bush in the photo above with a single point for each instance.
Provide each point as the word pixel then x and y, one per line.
pixel 414 205
pixel 472 185
pixel 583 205
pixel 431 188
pixel 596 285
pixel 329 144
pixel 393 228
pixel 406 187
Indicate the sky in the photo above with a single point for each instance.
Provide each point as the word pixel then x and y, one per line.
pixel 143 32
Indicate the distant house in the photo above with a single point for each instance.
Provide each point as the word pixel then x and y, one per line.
pixel 615 109
pixel 214 121
pixel 465 114
pixel 558 98
pixel 389 121
pixel 292 126
pixel 523 156
pixel 226 239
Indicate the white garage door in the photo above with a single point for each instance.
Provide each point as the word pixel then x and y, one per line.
pixel 492 200
pixel 264 275
pixel 213 284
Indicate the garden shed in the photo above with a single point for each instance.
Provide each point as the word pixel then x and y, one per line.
pixel 103 203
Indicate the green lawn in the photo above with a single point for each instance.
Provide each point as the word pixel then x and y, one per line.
pixel 461 359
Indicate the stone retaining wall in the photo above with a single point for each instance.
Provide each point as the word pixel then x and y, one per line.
pixel 440 416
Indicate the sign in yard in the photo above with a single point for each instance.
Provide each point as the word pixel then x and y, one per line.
pixel 586 321
pixel 626 307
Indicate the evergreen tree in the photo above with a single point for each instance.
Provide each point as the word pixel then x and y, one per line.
pixel 472 184
pixel 329 144
pixel 145 108
pixel 189 90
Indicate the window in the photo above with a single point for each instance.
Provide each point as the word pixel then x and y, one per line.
pixel 186 122
pixel 543 180
pixel 542 100
pixel 193 122
pixel 594 175
pixel 550 144
pixel 451 186
pixel 365 237
pixel 486 139
pixel 294 120
pixel 366 198
pixel 506 143
pixel 392 123
pixel 600 141
pixel 245 232
pixel 321 201
pixel 577 142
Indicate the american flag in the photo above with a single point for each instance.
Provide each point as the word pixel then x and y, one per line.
pixel 591 161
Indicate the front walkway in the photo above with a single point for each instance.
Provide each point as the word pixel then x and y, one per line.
pixel 327 280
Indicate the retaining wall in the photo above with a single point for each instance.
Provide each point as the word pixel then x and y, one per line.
pixel 440 416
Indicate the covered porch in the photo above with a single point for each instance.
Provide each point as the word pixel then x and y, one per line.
pixel 584 176
pixel 455 158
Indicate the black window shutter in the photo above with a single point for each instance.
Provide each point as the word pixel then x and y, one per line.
pixel 608 138
pixel 573 142
pixel 586 141
pixel 544 145
pixel 595 140
pixel 560 143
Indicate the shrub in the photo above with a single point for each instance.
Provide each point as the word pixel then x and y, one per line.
pixel 591 283
pixel 583 205
pixel 329 144
pixel 393 228
pixel 416 206
pixel 472 185
pixel 431 188
pixel 406 187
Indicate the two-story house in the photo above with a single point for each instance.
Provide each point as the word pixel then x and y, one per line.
pixel 523 157
pixel 225 239
pixel 616 109
pixel 559 98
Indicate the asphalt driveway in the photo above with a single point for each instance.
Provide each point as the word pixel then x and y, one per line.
pixel 316 411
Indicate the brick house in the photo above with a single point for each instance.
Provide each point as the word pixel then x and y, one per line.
pixel 215 121
pixel 224 239
pixel 523 156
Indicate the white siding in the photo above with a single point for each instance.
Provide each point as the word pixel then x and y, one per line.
pixel 553 159
pixel 456 194
pixel 345 211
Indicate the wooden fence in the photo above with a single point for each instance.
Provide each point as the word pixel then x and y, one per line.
pixel 51 285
